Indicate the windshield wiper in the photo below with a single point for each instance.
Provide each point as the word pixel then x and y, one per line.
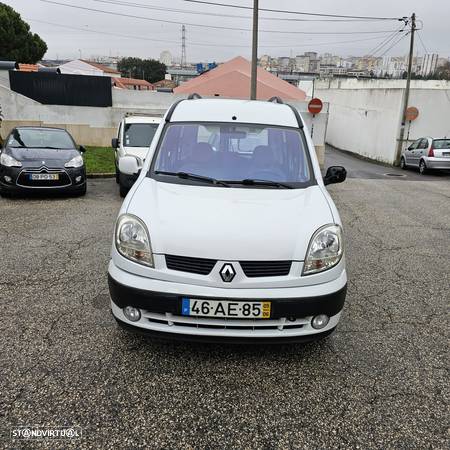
pixel 252 182
pixel 51 148
pixel 192 176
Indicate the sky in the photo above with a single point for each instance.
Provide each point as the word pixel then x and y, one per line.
pixel 71 32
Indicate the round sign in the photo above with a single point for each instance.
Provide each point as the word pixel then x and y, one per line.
pixel 315 106
pixel 412 113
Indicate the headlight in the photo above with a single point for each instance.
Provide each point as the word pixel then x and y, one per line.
pixel 9 161
pixel 133 240
pixel 75 162
pixel 325 250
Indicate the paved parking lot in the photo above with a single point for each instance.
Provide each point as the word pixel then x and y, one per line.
pixel 381 381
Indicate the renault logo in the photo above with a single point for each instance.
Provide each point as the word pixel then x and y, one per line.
pixel 227 273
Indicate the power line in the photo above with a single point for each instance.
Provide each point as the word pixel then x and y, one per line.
pixel 207 13
pixel 421 41
pixel 395 43
pixel 199 44
pixel 294 12
pixel 217 27
pixel 386 41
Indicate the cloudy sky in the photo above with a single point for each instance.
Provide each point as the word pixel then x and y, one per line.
pixel 70 31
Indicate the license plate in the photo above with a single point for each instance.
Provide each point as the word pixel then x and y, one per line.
pixel 44 176
pixel 225 309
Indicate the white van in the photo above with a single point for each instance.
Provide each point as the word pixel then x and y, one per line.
pixel 229 232
pixel 134 136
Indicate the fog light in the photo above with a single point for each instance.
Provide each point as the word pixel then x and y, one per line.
pixel 7 179
pixel 78 178
pixel 131 313
pixel 320 321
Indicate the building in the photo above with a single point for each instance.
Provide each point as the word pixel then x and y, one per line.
pixel 429 64
pixel 232 79
pixel 166 58
pixel 302 63
pixel 132 84
pixel 83 67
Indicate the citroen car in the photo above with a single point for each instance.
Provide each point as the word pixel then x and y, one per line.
pixel 427 154
pixel 38 159
pixel 229 232
pixel 134 136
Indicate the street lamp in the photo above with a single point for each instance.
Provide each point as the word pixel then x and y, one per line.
pixel 254 51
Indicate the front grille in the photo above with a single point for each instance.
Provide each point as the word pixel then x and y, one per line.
pixel 254 269
pixel 201 266
pixel 172 320
pixel 24 178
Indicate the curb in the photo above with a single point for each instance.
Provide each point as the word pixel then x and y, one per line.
pixel 100 175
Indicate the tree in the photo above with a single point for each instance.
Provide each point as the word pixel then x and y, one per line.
pixel 144 69
pixel 17 42
pixel 442 72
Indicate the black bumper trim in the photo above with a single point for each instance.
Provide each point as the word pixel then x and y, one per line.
pixel 165 336
pixel 162 302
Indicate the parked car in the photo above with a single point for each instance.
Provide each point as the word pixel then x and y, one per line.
pixel 427 153
pixel 134 136
pixel 41 159
pixel 235 240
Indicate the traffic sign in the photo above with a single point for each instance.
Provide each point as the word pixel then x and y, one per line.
pixel 412 113
pixel 315 106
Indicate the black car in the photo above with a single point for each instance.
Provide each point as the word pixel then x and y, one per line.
pixel 41 159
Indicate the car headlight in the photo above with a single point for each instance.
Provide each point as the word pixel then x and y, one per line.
pixel 77 161
pixel 9 161
pixel 133 241
pixel 325 249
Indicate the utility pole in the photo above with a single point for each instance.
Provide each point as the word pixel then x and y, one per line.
pixel 183 46
pixel 407 92
pixel 254 51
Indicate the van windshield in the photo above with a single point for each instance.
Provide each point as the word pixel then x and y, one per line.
pixel 235 152
pixel 139 134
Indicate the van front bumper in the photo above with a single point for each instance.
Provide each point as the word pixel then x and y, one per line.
pixel 160 305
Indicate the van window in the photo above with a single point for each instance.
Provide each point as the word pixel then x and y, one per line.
pixel 234 152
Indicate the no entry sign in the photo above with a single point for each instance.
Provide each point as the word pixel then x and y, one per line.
pixel 315 106
pixel 412 113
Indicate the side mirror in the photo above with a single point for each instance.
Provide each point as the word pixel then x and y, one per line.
pixel 129 165
pixel 410 147
pixel 115 143
pixel 82 148
pixel 335 174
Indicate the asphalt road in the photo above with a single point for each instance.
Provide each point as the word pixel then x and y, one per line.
pixel 380 382
pixel 359 168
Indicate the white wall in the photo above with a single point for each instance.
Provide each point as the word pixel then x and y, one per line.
pixel 365 115
pixel 96 126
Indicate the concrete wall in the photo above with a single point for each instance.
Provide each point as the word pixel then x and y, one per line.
pixel 96 126
pixel 365 115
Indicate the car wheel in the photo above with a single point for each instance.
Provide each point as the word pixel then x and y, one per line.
pixel 402 163
pixel 123 190
pixel 81 192
pixel 117 175
pixel 422 167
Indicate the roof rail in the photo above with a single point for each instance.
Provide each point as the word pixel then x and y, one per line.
pixel 275 99
pixel 172 109
pixel 297 116
pixel 194 96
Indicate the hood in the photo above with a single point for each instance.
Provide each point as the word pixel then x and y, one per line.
pixel 230 223
pixel 37 157
pixel 140 152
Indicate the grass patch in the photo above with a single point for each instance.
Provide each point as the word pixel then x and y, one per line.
pixel 99 160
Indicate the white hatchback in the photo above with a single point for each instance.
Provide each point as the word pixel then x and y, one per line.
pixel 229 232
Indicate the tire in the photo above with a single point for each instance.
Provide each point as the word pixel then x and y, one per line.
pixel 403 163
pixel 423 167
pixel 123 191
pixel 117 175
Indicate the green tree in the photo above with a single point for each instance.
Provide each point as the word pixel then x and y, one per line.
pixel 17 43
pixel 442 72
pixel 143 69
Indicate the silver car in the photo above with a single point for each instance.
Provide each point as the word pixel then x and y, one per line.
pixel 427 153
